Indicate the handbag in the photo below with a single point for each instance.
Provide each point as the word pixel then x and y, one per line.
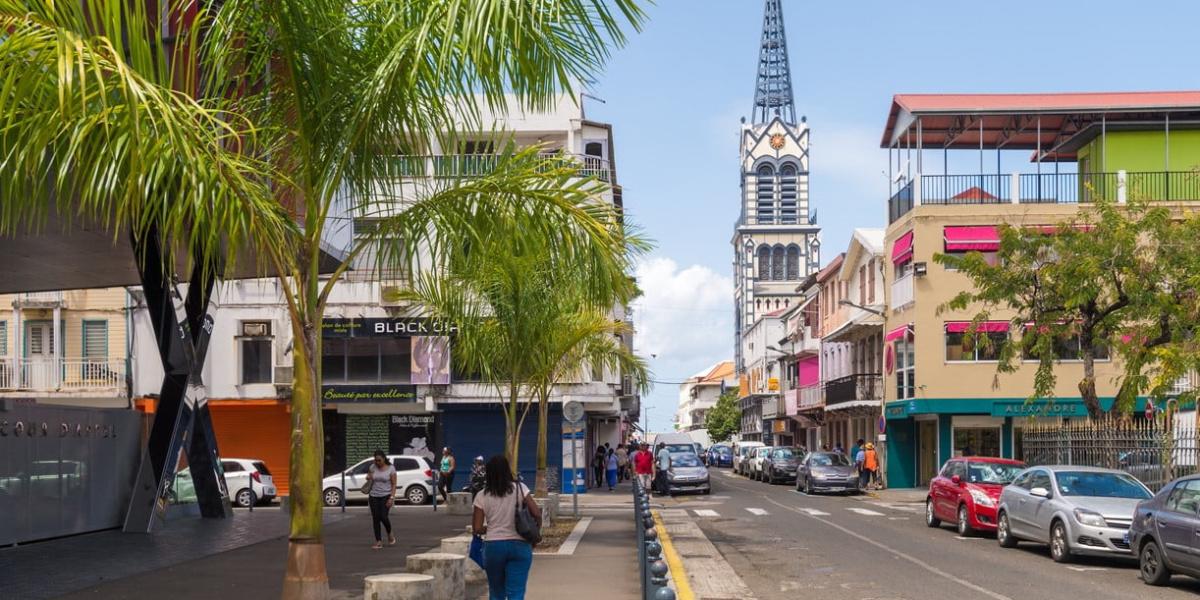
pixel 527 526
pixel 476 551
pixel 366 486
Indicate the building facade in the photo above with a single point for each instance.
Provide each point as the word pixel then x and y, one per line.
pixel 700 392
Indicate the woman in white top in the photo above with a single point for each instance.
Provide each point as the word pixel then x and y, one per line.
pixel 383 489
pixel 507 557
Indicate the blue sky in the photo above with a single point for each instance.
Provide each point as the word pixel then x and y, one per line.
pixel 676 92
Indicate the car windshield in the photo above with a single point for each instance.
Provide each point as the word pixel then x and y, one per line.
pixel 673 448
pixel 829 460
pixel 992 473
pixel 1101 485
pixel 684 460
pixel 786 453
pixel 722 450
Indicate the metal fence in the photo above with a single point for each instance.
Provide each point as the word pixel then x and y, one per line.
pixel 1153 452
pixel 653 569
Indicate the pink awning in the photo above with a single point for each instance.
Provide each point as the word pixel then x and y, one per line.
pixel 898 332
pixel 962 239
pixel 902 250
pixel 1053 229
pixel 986 326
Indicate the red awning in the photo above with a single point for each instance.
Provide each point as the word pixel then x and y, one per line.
pixel 962 239
pixel 986 326
pixel 902 250
pixel 898 332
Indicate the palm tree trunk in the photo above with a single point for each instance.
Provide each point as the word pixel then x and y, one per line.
pixel 306 577
pixel 539 486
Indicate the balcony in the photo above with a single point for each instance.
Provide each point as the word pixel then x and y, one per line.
pixel 855 388
pixel 1044 188
pixel 478 165
pixel 38 300
pixel 770 407
pixel 67 375
pixel 810 397
pixel 902 291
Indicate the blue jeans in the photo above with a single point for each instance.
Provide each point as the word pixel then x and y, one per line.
pixel 507 564
pixel 612 478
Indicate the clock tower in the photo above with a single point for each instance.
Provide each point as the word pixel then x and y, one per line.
pixel 776 243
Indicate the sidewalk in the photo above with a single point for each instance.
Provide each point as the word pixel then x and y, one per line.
pixel 244 557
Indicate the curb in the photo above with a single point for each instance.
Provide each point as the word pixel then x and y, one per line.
pixel 683 591
pixel 572 541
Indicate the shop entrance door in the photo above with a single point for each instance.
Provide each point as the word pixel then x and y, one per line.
pixel 927 443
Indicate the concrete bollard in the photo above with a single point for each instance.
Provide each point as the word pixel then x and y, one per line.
pixel 549 512
pixel 448 571
pixel 285 504
pixel 459 503
pixel 461 545
pixel 398 586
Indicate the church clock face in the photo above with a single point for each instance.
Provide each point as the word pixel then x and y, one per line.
pixel 777 141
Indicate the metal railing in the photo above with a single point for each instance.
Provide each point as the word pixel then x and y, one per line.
pixel 810 396
pixel 478 165
pixel 902 291
pixel 36 299
pixel 63 375
pixel 1151 452
pixel 866 386
pixel 653 569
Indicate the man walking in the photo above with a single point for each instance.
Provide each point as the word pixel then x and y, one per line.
pixel 664 464
pixel 643 465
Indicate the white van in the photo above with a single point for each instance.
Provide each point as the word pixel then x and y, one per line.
pixel 742 454
pixel 676 442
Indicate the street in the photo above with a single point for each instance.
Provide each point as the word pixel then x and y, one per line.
pixel 780 542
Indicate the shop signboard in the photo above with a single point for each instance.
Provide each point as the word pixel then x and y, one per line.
pixel 361 394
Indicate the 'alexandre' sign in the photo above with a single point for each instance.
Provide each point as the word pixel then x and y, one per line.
pixel 1039 409
pixel 386 327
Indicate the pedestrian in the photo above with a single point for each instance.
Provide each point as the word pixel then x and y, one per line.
pixel 507 557
pixel 854 452
pixel 838 447
pixel 611 467
pixel 446 474
pixel 477 477
pixel 599 461
pixel 663 456
pixel 382 476
pixel 622 463
pixel 643 466
pixel 870 464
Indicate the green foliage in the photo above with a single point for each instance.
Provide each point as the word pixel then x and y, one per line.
pixel 724 420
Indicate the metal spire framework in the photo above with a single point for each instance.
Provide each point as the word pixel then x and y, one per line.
pixel 773 91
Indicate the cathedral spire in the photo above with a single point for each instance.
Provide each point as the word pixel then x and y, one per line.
pixel 773 91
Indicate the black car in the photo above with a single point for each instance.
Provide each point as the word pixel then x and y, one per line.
pixel 827 471
pixel 1165 534
pixel 779 465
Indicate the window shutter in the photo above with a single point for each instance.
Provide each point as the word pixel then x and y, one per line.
pixel 95 339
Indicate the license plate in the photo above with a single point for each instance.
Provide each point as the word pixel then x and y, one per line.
pixel 1126 537
pixel 836 488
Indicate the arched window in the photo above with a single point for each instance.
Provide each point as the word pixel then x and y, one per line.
pixel 777 259
pixel 766 195
pixel 793 262
pixel 764 263
pixel 788 203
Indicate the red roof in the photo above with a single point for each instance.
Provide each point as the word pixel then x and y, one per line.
pixel 974 193
pixel 1014 121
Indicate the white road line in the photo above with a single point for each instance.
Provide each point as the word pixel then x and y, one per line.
pixel 706 513
pixel 758 512
pixel 959 537
pixel 814 512
pixel 910 558
pixel 863 511
pixel 900 507
pixel 1081 569
pixel 568 547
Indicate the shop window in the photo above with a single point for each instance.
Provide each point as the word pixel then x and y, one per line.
pixel 254 348
pixel 906 372
pixel 1062 349
pixel 367 360
pixel 992 258
pixel 977 441
pixel 970 347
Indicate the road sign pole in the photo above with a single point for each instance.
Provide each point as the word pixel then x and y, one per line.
pixel 574 473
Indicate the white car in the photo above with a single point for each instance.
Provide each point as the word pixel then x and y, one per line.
pixel 414 481
pixel 741 454
pixel 754 462
pixel 248 480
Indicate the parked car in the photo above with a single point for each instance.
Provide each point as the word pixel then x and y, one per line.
pixel 720 455
pixel 780 464
pixel 1164 533
pixel 687 474
pixel 754 462
pixel 676 443
pixel 1147 464
pixel 414 481
pixel 741 452
pixel 1076 510
pixel 967 491
pixel 247 479
pixel 826 472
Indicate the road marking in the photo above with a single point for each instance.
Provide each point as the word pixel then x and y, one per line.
pixel 1081 569
pixel 910 558
pixel 758 512
pixel 899 507
pixel 706 513
pixel 568 547
pixel 864 511
pixel 897 518
pixel 814 512
pixel 959 537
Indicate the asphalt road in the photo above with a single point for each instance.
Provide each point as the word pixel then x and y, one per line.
pixel 855 547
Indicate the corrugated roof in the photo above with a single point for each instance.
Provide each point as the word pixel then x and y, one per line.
pixel 1068 102
pixel 720 372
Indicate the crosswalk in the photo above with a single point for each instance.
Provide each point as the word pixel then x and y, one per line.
pixel 883 511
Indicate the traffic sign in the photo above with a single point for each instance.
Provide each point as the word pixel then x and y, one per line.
pixel 1149 410
pixel 882 425
pixel 573 411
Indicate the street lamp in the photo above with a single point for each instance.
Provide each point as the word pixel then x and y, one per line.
pixel 860 307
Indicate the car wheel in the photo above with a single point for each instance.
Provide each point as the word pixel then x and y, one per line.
pixel 770 478
pixel 1150 562
pixel 931 519
pixel 243 498
pixel 332 497
pixel 1059 550
pixel 1003 534
pixel 707 492
pixel 808 488
pixel 964 522
pixel 416 495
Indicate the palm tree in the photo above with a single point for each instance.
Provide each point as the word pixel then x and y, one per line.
pixel 299 105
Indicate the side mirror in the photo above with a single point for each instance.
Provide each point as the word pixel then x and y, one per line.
pixel 956 480
pixel 1040 492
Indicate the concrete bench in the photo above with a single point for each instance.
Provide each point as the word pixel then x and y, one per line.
pixel 448 571
pixel 398 586
pixel 460 503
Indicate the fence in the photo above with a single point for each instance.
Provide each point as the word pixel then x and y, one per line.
pixel 653 569
pixel 1153 452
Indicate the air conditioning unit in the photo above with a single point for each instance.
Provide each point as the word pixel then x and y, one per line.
pixel 284 374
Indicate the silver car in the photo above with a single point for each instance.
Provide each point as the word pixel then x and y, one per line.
pixel 1076 510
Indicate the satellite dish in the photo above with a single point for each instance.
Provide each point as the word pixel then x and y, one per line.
pixel 901 173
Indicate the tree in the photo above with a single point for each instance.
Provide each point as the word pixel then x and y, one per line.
pixel 302 106
pixel 1111 280
pixel 725 419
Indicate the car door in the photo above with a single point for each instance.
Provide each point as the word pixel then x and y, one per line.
pixel 1016 497
pixel 941 489
pixel 356 476
pixel 1178 528
pixel 236 478
pixel 407 473
pixel 1037 511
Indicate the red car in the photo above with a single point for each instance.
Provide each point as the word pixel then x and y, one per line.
pixel 967 491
